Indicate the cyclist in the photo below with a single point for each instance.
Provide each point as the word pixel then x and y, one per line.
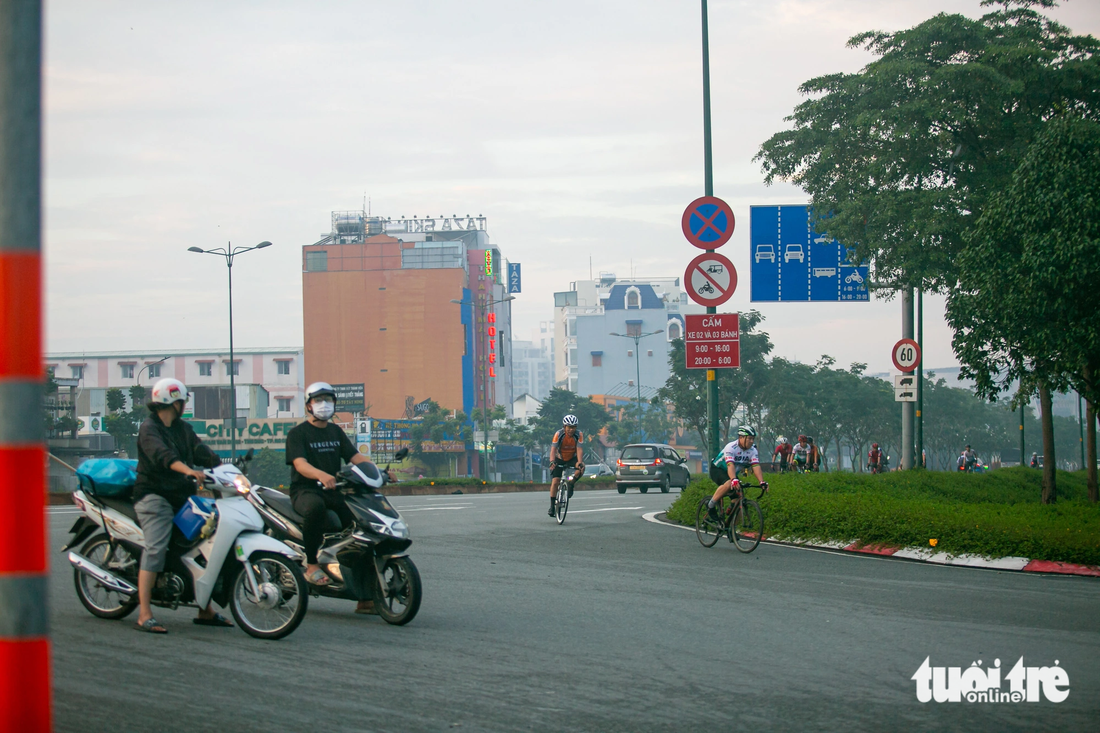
pixel 874 459
pixel 782 453
pixel 565 452
pixel 967 460
pixel 815 455
pixel 800 454
pixel 735 456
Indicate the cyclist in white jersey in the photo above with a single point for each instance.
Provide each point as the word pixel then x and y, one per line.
pixel 735 456
pixel 800 454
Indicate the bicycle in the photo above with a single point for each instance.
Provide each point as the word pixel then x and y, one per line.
pixel 740 519
pixel 565 490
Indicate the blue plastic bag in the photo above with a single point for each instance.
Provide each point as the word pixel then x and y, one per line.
pixel 110 477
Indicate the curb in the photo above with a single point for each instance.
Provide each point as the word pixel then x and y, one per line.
pixel 917 554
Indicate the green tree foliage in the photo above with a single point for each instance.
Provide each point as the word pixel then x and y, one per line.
pixel 116 400
pixel 269 468
pixel 561 402
pixel 739 390
pixel 1027 298
pixel 641 423
pixel 904 154
pixel 436 426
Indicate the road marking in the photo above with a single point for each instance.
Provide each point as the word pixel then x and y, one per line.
pixel 432 508
pixel 609 509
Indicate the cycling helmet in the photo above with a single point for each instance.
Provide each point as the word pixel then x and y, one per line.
pixel 874 445
pixel 782 440
pixel 746 431
pixel 569 420
pixel 801 438
pixel 318 389
pixel 166 391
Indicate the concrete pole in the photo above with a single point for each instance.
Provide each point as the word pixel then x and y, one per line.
pixel 908 409
pixel 24 632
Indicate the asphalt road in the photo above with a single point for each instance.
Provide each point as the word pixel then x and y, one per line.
pixel 607 623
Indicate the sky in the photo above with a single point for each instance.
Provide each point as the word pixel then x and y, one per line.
pixel 575 128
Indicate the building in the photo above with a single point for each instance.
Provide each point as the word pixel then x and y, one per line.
pixel 532 368
pixel 268 381
pixel 648 315
pixel 412 309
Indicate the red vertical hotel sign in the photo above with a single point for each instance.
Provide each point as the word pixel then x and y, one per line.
pixel 712 341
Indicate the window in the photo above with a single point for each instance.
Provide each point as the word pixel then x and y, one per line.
pixel 154 371
pixel 674 330
pixel 634 328
pixel 639 453
pixel 127 370
pixel 574 360
pixel 233 368
pixel 284 402
pixel 78 371
pixel 649 353
pixel 633 298
pixel 206 369
pixel 282 367
pixel 317 261
pixel 597 360
pixel 630 355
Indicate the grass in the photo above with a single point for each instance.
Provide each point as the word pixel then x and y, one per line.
pixel 994 515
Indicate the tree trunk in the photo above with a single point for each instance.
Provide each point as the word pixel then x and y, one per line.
pixel 1090 450
pixel 1050 489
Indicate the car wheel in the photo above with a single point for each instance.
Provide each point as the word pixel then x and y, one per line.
pixel 666 484
pixel 621 488
pixel 643 489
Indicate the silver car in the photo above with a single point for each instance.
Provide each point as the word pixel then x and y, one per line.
pixel 650 464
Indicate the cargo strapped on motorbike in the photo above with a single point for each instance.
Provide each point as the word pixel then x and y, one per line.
pixel 109 477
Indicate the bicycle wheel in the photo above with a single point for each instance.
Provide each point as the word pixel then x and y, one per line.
pixel 707 529
pixel 563 502
pixel 747 528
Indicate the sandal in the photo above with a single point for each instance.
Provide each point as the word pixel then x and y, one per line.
pixel 318 578
pixel 151 626
pixel 368 609
pixel 218 620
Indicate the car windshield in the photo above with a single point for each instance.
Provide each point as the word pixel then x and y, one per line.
pixel 639 453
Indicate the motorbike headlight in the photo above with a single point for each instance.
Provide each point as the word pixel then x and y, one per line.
pixel 398 530
pixel 242 483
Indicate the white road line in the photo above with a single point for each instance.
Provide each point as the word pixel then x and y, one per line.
pixel 432 509
pixel 609 509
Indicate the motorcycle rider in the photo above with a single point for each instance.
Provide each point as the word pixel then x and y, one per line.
pixel 735 456
pixel 167 447
pixel 314 450
pixel 565 452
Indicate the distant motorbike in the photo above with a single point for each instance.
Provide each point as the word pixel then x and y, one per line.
pixel 365 561
pixel 265 590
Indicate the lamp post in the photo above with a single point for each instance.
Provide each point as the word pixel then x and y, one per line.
pixel 483 460
pixel 637 356
pixel 229 252
pixel 137 381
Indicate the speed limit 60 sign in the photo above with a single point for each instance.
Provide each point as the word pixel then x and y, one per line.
pixel 906 355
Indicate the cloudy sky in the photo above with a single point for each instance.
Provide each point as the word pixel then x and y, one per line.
pixel 573 127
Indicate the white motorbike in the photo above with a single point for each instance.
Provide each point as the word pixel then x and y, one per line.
pixel 264 589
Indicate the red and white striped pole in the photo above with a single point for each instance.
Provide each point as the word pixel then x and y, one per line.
pixel 24 636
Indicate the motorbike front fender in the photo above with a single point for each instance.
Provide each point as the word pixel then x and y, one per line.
pixel 250 542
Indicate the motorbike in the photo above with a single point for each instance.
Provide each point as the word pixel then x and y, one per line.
pixel 264 589
pixel 366 561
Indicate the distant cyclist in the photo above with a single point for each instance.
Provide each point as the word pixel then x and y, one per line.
pixel 740 454
pixel 874 459
pixel 800 454
pixel 782 454
pixel 565 452
pixel 815 455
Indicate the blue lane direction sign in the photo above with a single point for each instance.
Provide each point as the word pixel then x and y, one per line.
pixel 789 261
pixel 707 222
pixel 515 282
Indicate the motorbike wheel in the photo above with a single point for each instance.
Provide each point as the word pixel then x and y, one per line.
pixel 399 600
pixel 284 597
pixel 98 600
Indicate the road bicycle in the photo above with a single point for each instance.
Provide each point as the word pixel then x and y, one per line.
pixel 739 518
pixel 565 490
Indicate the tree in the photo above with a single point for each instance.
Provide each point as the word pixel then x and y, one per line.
pixel 641 423
pixel 561 402
pixel 116 400
pixel 436 426
pixel 902 156
pixel 269 468
pixel 1026 302
pixel 739 390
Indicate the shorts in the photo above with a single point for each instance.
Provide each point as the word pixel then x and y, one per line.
pixel 155 515
pixel 719 475
pixel 560 466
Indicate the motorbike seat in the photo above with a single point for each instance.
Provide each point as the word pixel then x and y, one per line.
pixel 281 503
pixel 122 506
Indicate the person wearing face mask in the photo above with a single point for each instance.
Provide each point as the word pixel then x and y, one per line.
pixel 167 448
pixel 314 451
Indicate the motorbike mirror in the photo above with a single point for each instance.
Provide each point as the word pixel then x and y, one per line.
pixel 248 456
pixel 401 454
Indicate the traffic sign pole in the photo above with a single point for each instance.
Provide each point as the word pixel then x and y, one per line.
pixel 908 409
pixel 708 190
pixel 920 378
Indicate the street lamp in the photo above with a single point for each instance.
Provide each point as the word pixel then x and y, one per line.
pixel 150 364
pixel 229 252
pixel 483 461
pixel 637 355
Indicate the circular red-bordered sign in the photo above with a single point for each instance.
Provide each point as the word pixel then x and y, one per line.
pixel 906 355
pixel 708 222
pixel 710 279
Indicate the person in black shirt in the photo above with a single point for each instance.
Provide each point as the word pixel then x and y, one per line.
pixel 167 447
pixel 314 451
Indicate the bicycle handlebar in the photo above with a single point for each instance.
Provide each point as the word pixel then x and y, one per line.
pixel 746 485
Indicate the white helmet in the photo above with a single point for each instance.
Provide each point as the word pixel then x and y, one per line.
pixel 570 420
pixel 166 391
pixel 782 440
pixel 318 389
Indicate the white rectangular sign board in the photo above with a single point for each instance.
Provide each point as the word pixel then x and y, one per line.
pixel 908 381
pixel 905 394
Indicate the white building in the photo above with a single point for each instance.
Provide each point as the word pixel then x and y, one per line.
pixel 532 369
pixel 268 381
